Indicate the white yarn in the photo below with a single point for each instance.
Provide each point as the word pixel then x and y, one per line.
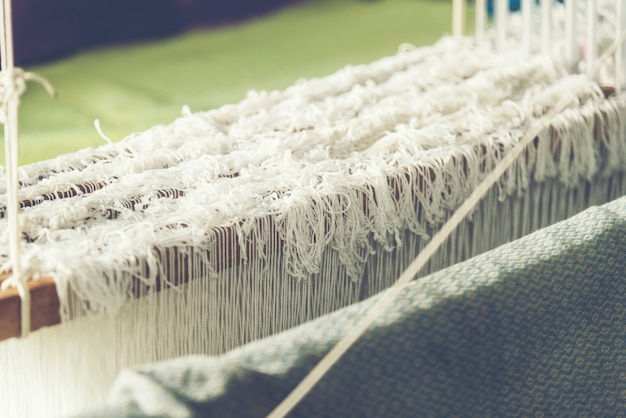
pixel 60 370
pixel 445 117
pixel 322 193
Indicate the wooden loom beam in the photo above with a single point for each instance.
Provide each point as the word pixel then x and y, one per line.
pixel 44 307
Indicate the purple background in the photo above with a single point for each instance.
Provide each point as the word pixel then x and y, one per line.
pixel 49 29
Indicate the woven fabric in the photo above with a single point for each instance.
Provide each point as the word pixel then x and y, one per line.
pixel 533 328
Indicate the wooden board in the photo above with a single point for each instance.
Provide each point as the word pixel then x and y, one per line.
pixel 44 307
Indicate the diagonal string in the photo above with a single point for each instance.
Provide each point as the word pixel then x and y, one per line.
pixel 333 356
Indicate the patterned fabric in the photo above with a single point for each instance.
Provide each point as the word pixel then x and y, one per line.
pixel 534 328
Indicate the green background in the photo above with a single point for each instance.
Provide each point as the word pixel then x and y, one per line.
pixel 133 87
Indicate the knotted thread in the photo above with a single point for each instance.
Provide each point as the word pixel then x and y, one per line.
pixel 12 86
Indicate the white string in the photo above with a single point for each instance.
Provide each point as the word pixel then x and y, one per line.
pixel 186 111
pixel 458 12
pixel 96 124
pixel 12 86
pixel 608 52
pixel 318 372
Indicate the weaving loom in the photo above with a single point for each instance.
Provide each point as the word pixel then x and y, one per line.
pixel 235 224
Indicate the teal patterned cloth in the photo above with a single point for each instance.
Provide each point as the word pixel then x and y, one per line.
pixel 535 328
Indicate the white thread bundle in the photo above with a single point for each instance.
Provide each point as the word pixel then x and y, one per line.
pixel 326 191
pixel 175 189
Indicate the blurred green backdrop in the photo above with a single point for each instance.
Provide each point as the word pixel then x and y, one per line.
pixel 133 87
